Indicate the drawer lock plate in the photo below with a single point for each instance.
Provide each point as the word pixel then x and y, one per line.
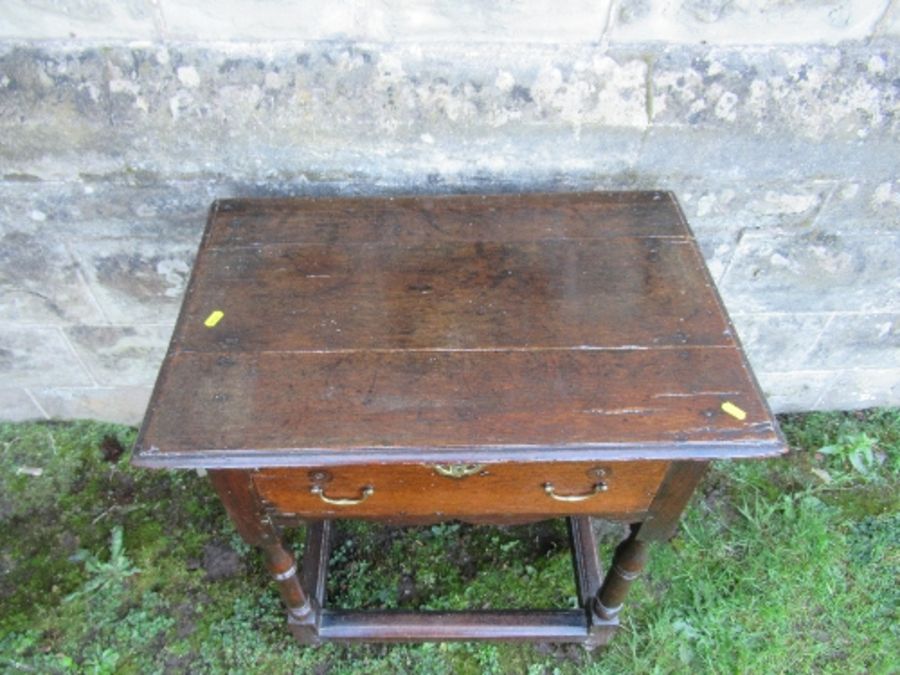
pixel 458 470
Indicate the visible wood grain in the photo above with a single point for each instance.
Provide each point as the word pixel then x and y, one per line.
pixel 514 327
pixel 274 409
pixel 585 560
pixel 316 550
pixel 412 220
pixel 238 496
pixel 681 479
pixel 500 490
pixel 566 293
pixel 236 491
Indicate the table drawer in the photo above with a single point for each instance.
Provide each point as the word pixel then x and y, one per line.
pixel 461 490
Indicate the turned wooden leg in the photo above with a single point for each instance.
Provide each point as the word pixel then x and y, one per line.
pixel 680 481
pixel 627 564
pixel 283 567
pixel 235 489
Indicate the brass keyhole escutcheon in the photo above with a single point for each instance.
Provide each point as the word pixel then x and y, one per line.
pixel 458 470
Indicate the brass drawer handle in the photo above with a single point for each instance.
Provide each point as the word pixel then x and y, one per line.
pixel 319 491
pixel 596 490
pixel 458 470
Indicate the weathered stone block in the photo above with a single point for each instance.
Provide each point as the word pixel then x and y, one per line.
pixel 136 280
pixel 34 356
pixel 889 26
pixel 329 111
pixel 741 23
pixel 719 214
pixel 867 207
pixel 858 341
pixel 429 21
pixel 779 342
pixel 794 391
pixel 16 406
pixel 811 93
pixel 121 355
pixel 386 113
pixel 272 20
pixel 814 272
pixel 853 389
pixel 732 207
pixel 65 19
pixel 80 210
pixel 125 405
pixel 40 283
pixel 697 153
pixel 718 249
pixel 52 115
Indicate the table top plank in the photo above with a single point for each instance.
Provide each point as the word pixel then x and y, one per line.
pixel 504 328
pixel 542 401
pixel 469 218
pixel 451 295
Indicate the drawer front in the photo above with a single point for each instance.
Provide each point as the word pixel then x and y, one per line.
pixel 460 490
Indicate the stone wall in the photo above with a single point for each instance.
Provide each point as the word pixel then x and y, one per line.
pixel 775 122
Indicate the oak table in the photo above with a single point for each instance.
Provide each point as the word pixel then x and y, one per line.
pixel 493 359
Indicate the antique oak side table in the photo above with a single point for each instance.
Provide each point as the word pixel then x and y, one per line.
pixel 494 359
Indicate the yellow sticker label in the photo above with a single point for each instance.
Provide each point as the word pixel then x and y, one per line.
pixel 734 411
pixel 214 318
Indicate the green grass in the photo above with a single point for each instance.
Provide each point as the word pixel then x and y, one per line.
pixel 785 565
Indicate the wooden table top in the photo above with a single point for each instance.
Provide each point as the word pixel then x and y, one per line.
pixel 528 327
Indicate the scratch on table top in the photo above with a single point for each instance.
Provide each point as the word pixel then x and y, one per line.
pixel 690 394
pixel 620 411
